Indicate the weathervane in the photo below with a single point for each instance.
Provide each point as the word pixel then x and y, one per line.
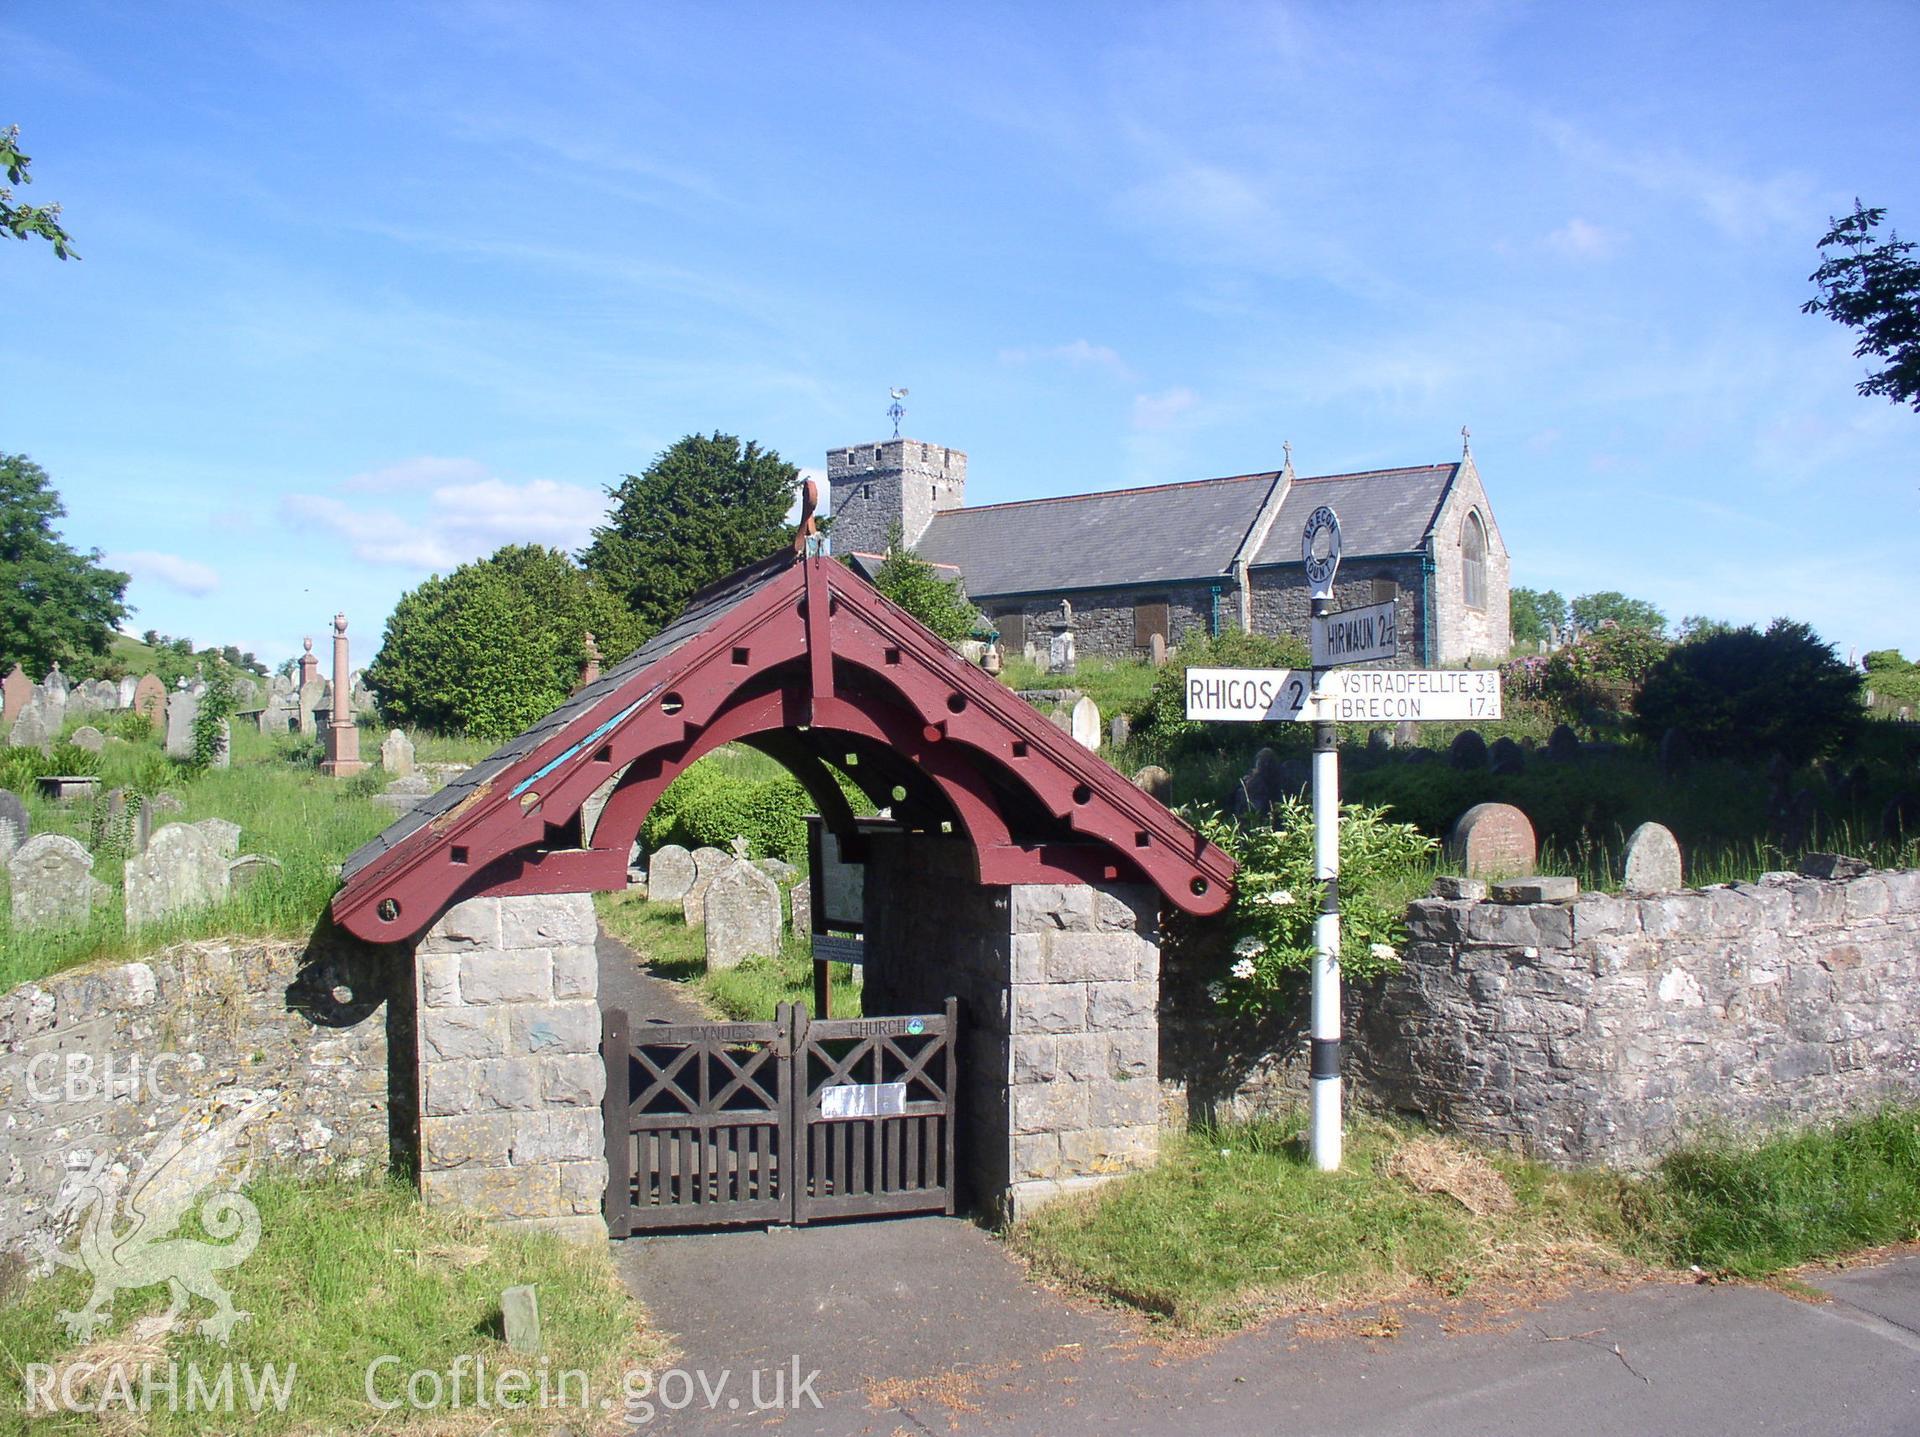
pixel 1466 442
pixel 897 411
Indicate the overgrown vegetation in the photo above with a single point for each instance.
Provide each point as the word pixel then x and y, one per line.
pixel 916 586
pixel 1161 730
pixel 1748 694
pixel 1234 1223
pixel 348 1271
pixel 58 604
pixel 707 807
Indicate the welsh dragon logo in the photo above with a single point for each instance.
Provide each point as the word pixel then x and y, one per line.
pixel 128 1223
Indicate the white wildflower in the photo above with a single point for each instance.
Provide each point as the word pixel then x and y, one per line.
pixel 1217 992
pixel 1249 947
pixel 1384 952
pixel 1243 970
pixel 1279 898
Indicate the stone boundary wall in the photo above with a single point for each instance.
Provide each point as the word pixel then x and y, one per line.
pixel 1610 1028
pixel 99 1061
pixel 1057 985
pixel 510 1070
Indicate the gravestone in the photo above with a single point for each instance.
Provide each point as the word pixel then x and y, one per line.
pixel 1858 783
pixel 15 690
pixel 396 753
pixel 1119 731
pixel 164 802
pixel 249 869
pixel 669 874
pixel 1085 723
pixel 1155 782
pixel 15 827
pixel 182 870
pixel 183 707
pixel 53 883
pixel 277 714
pixel 1676 751
pixel 223 754
pixel 1468 751
pixel 89 738
pixel 313 695
pixel 223 834
pixel 1798 820
pixel 778 869
pixel 1157 650
pixel 1379 741
pixel 1493 840
pixel 1652 861
pixel 1506 757
pixel 1563 745
pixel 742 912
pixel 150 698
pixel 1060 655
pixel 800 899
pixel 125 690
pixel 1061 719
pixel 38 723
pixel 1417 755
pixel 1406 734
pixel 707 865
pixel 55 683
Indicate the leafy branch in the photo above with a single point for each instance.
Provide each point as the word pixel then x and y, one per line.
pixel 23 220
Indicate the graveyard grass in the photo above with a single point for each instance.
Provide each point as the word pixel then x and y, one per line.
pixel 349 1270
pixel 677 951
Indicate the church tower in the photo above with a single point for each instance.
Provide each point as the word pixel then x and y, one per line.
pixel 874 487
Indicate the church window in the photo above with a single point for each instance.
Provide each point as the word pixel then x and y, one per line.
pixel 1473 562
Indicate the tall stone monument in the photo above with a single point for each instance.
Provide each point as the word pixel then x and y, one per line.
pixel 309 665
pixel 343 737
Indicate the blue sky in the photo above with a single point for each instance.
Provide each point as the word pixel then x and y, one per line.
pixel 370 289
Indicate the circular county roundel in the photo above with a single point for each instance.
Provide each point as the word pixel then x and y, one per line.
pixel 1320 548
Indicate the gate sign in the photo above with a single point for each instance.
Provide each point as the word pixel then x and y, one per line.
pixel 1323 528
pixel 863 1100
pixel 1356 636
pixel 1248 695
pixel 1422 695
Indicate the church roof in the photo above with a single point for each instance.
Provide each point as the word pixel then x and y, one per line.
pixel 1383 511
pixel 1171 532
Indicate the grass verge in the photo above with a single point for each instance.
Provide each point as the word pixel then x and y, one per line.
pixel 676 951
pixel 1235 1224
pixel 346 1272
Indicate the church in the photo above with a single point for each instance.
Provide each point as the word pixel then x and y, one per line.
pixel 1171 561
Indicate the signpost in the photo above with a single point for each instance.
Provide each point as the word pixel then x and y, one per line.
pixel 1325 696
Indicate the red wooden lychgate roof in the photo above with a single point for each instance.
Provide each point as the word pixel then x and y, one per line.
pixel 806 661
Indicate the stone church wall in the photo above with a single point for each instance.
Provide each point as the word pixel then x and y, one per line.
pixel 1283 605
pixel 1103 620
pixel 1467 633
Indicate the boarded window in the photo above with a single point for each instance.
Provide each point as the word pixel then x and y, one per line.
pixel 1473 562
pixel 1385 591
pixel 1149 618
pixel 1013 629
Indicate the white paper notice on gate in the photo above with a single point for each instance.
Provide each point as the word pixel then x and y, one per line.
pixel 1423 695
pixel 863 1100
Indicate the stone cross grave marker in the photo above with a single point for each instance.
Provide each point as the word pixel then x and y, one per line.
pixel 53 883
pixel 1493 840
pixel 1652 861
pixel 742 913
pixel 669 874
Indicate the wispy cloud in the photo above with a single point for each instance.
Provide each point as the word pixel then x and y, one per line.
pixel 1158 411
pixel 453 522
pixel 1582 239
pixel 183 576
pixel 1076 354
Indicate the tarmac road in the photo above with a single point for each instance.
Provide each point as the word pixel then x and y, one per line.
pixel 927 1326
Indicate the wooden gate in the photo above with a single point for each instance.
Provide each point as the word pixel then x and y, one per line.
pixel 788 1121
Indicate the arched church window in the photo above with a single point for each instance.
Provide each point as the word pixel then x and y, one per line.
pixel 1473 561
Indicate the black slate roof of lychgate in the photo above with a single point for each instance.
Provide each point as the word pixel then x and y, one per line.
pixel 1172 532
pixel 1385 511
pixel 1087 541
pixel 702 610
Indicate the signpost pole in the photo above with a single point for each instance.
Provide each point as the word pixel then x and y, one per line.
pixel 1324 1066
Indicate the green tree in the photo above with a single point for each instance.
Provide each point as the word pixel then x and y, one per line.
pixel 1885 661
pixel 56 603
pixel 22 220
pixel 1592 612
pixel 1745 694
pixel 705 507
pixel 1873 285
pixel 1700 626
pixel 496 644
pixel 916 586
pixel 1536 614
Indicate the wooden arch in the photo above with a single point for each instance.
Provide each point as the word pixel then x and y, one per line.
pixel 805 660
